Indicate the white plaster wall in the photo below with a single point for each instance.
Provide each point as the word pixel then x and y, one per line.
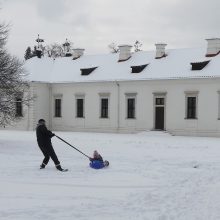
pixel 207 123
pixel 144 106
pixel 41 105
pixel 175 122
pixel 92 120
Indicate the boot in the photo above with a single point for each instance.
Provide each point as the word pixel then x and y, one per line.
pixel 60 168
pixel 42 166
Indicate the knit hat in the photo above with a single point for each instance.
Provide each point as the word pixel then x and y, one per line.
pixel 41 120
pixel 95 153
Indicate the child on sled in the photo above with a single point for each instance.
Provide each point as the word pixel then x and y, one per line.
pixel 98 157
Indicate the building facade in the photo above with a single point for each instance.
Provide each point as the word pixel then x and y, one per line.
pixel 176 91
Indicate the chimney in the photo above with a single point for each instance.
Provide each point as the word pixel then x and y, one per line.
pixel 77 53
pixel 160 50
pixel 124 52
pixel 213 47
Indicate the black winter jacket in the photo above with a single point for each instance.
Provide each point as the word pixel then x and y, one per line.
pixel 43 135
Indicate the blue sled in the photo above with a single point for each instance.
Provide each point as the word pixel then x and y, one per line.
pixel 97 164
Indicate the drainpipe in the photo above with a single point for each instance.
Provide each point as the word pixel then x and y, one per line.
pixel 118 110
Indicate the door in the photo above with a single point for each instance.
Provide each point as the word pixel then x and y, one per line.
pixel 159 113
pixel 159 118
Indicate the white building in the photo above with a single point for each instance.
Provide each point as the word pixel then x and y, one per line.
pixel 175 90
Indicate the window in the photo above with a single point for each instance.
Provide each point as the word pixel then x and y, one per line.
pixel 131 108
pixel 138 69
pixel 159 101
pixel 79 107
pixel 199 65
pixel 18 107
pixel 130 105
pixel 104 104
pixel 87 71
pixel 104 107
pixel 191 107
pixel 80 102
pixel 57 107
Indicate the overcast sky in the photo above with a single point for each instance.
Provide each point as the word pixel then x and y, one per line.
pixel 94 24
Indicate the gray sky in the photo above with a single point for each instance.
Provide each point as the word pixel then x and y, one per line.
pixel 94 24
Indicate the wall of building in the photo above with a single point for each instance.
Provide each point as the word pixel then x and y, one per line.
pixel 23 123
pixel 91 93
pixel 207 123
pixel 41 104
pixel 20 123
pixel 38 107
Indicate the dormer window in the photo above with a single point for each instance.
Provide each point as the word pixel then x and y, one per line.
pixel 138 69
pixel 87 71
pixel 199 65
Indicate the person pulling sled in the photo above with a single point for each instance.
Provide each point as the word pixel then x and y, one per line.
pixel 44 142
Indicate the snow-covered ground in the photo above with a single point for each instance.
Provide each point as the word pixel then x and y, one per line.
pixel 152 176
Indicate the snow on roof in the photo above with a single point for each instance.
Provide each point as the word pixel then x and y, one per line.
pixel 175 65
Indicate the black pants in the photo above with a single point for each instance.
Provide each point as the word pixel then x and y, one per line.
pixel 48 153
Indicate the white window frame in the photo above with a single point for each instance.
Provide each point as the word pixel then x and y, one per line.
pixel 191 94
pixel 105 95
pixel 57 96
pixel 79 96
pixel 131 95
pixel 16 101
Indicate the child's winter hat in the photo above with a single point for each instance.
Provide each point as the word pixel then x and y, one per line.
pixel 95 152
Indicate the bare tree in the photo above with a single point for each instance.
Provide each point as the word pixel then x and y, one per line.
pixel 12 86
pixel 54 50
pixel 58 50
pixel 113 48
pixel 3 34
pixel 137 46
